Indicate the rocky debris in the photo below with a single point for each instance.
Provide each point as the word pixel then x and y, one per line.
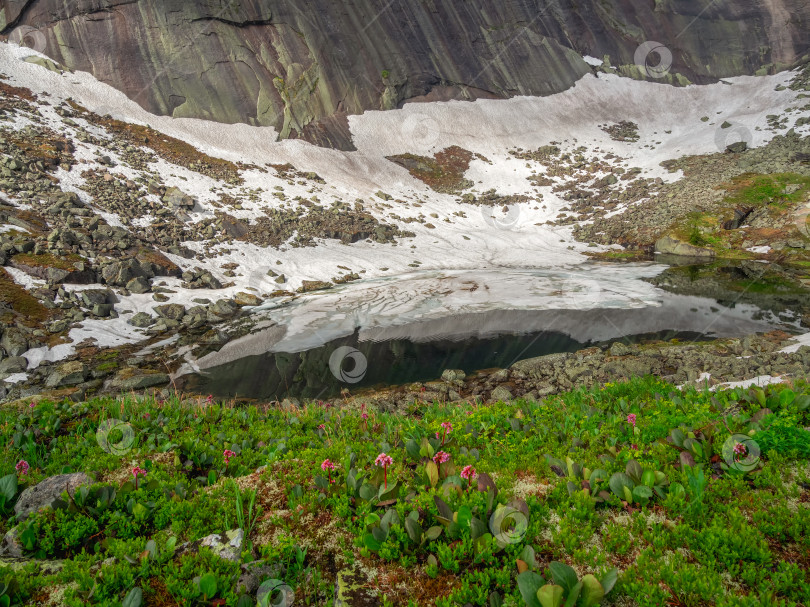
pixel 11 365
pixel 48 491
pixel 138 285
pixel 14 341
pixel 737 147
pixel 171 311
pixel 313 285
pixel 177 198
pixel 200 279
pixel 453 375
pixel 622 131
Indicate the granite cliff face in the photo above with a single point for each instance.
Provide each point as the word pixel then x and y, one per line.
pixel 303 66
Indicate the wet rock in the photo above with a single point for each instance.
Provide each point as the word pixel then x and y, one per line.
pixel 227 545
pixel 737 147
pixel 129 379
pixel 46 492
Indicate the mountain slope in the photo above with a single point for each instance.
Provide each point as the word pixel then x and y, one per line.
pixel 304 66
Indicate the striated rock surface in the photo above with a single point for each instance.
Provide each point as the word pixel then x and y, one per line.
pixel 303 66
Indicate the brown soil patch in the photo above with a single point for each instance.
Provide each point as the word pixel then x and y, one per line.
pixel 443 173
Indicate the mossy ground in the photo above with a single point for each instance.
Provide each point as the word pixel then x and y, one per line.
pixel 727 536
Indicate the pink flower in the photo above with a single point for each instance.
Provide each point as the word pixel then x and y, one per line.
pixel 468 472
pixel 441 457
pixel 210 399
pixel 327 465
pixel 136 472
pixel 740 450
pixel 32 404
pixel 228 454
pixel 448 427
pixel 322 427
pixel 146 415
pixel 22 467
pixel 364 415
pixel 631 419
pixel 384 461
pixel 437 435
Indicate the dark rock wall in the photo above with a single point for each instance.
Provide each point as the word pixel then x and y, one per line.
pixel 304 65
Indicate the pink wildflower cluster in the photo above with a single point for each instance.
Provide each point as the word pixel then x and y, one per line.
pixel 22 467
pixel 740 450
pixel 228 454
pixel 328 466
pixel 384 461
pixel 469 473
pixel 441 457
pixel 448 427
pixel 631 419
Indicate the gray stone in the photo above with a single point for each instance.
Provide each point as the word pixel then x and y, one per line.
pixel 14 364
pixel 14 341
pixel 141 319
pixel 102 310
pixel 501 393
pixel 451 375
pixel 171 311
pixel 46 492
pixel 91 297
pixel 226 546
pixel 67 374
pixel 247 299
pixel 138 285
pixel 672 246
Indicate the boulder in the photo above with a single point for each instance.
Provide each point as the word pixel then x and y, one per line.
pixel 14 341
pixel 247 299
pixel 451 375
pixel 501 393
pixel 138 285
pixel 141 320
pixel 46 492
pixel 171 311
pixel 67 374
pixel 672 246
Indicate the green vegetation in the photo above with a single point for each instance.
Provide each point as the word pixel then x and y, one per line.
pixel 635 493
pixel 780 189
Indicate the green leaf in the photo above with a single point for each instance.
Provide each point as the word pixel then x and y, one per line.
pixel 677 489
pixel 634 470
pixel 464 516
pixel 389 494
pixel 443 508
pixel 432 533
pixel 371 542
pixel 412 449
pixel 477 528
pixel 678 437
pixel 592 591
pixel 208 586
pixel 426 449
pixel 414 530
pixel 432 472
pixel 642 494
pixel 527 556
pixel 618 482
pixel 786 397
pixel 648 478
pixel 571 600
pixel 368 492
pixel 134 598
pixel 563 575
pixel 609 580
pixel 529 583
pixel 8 486
pixel 550 595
